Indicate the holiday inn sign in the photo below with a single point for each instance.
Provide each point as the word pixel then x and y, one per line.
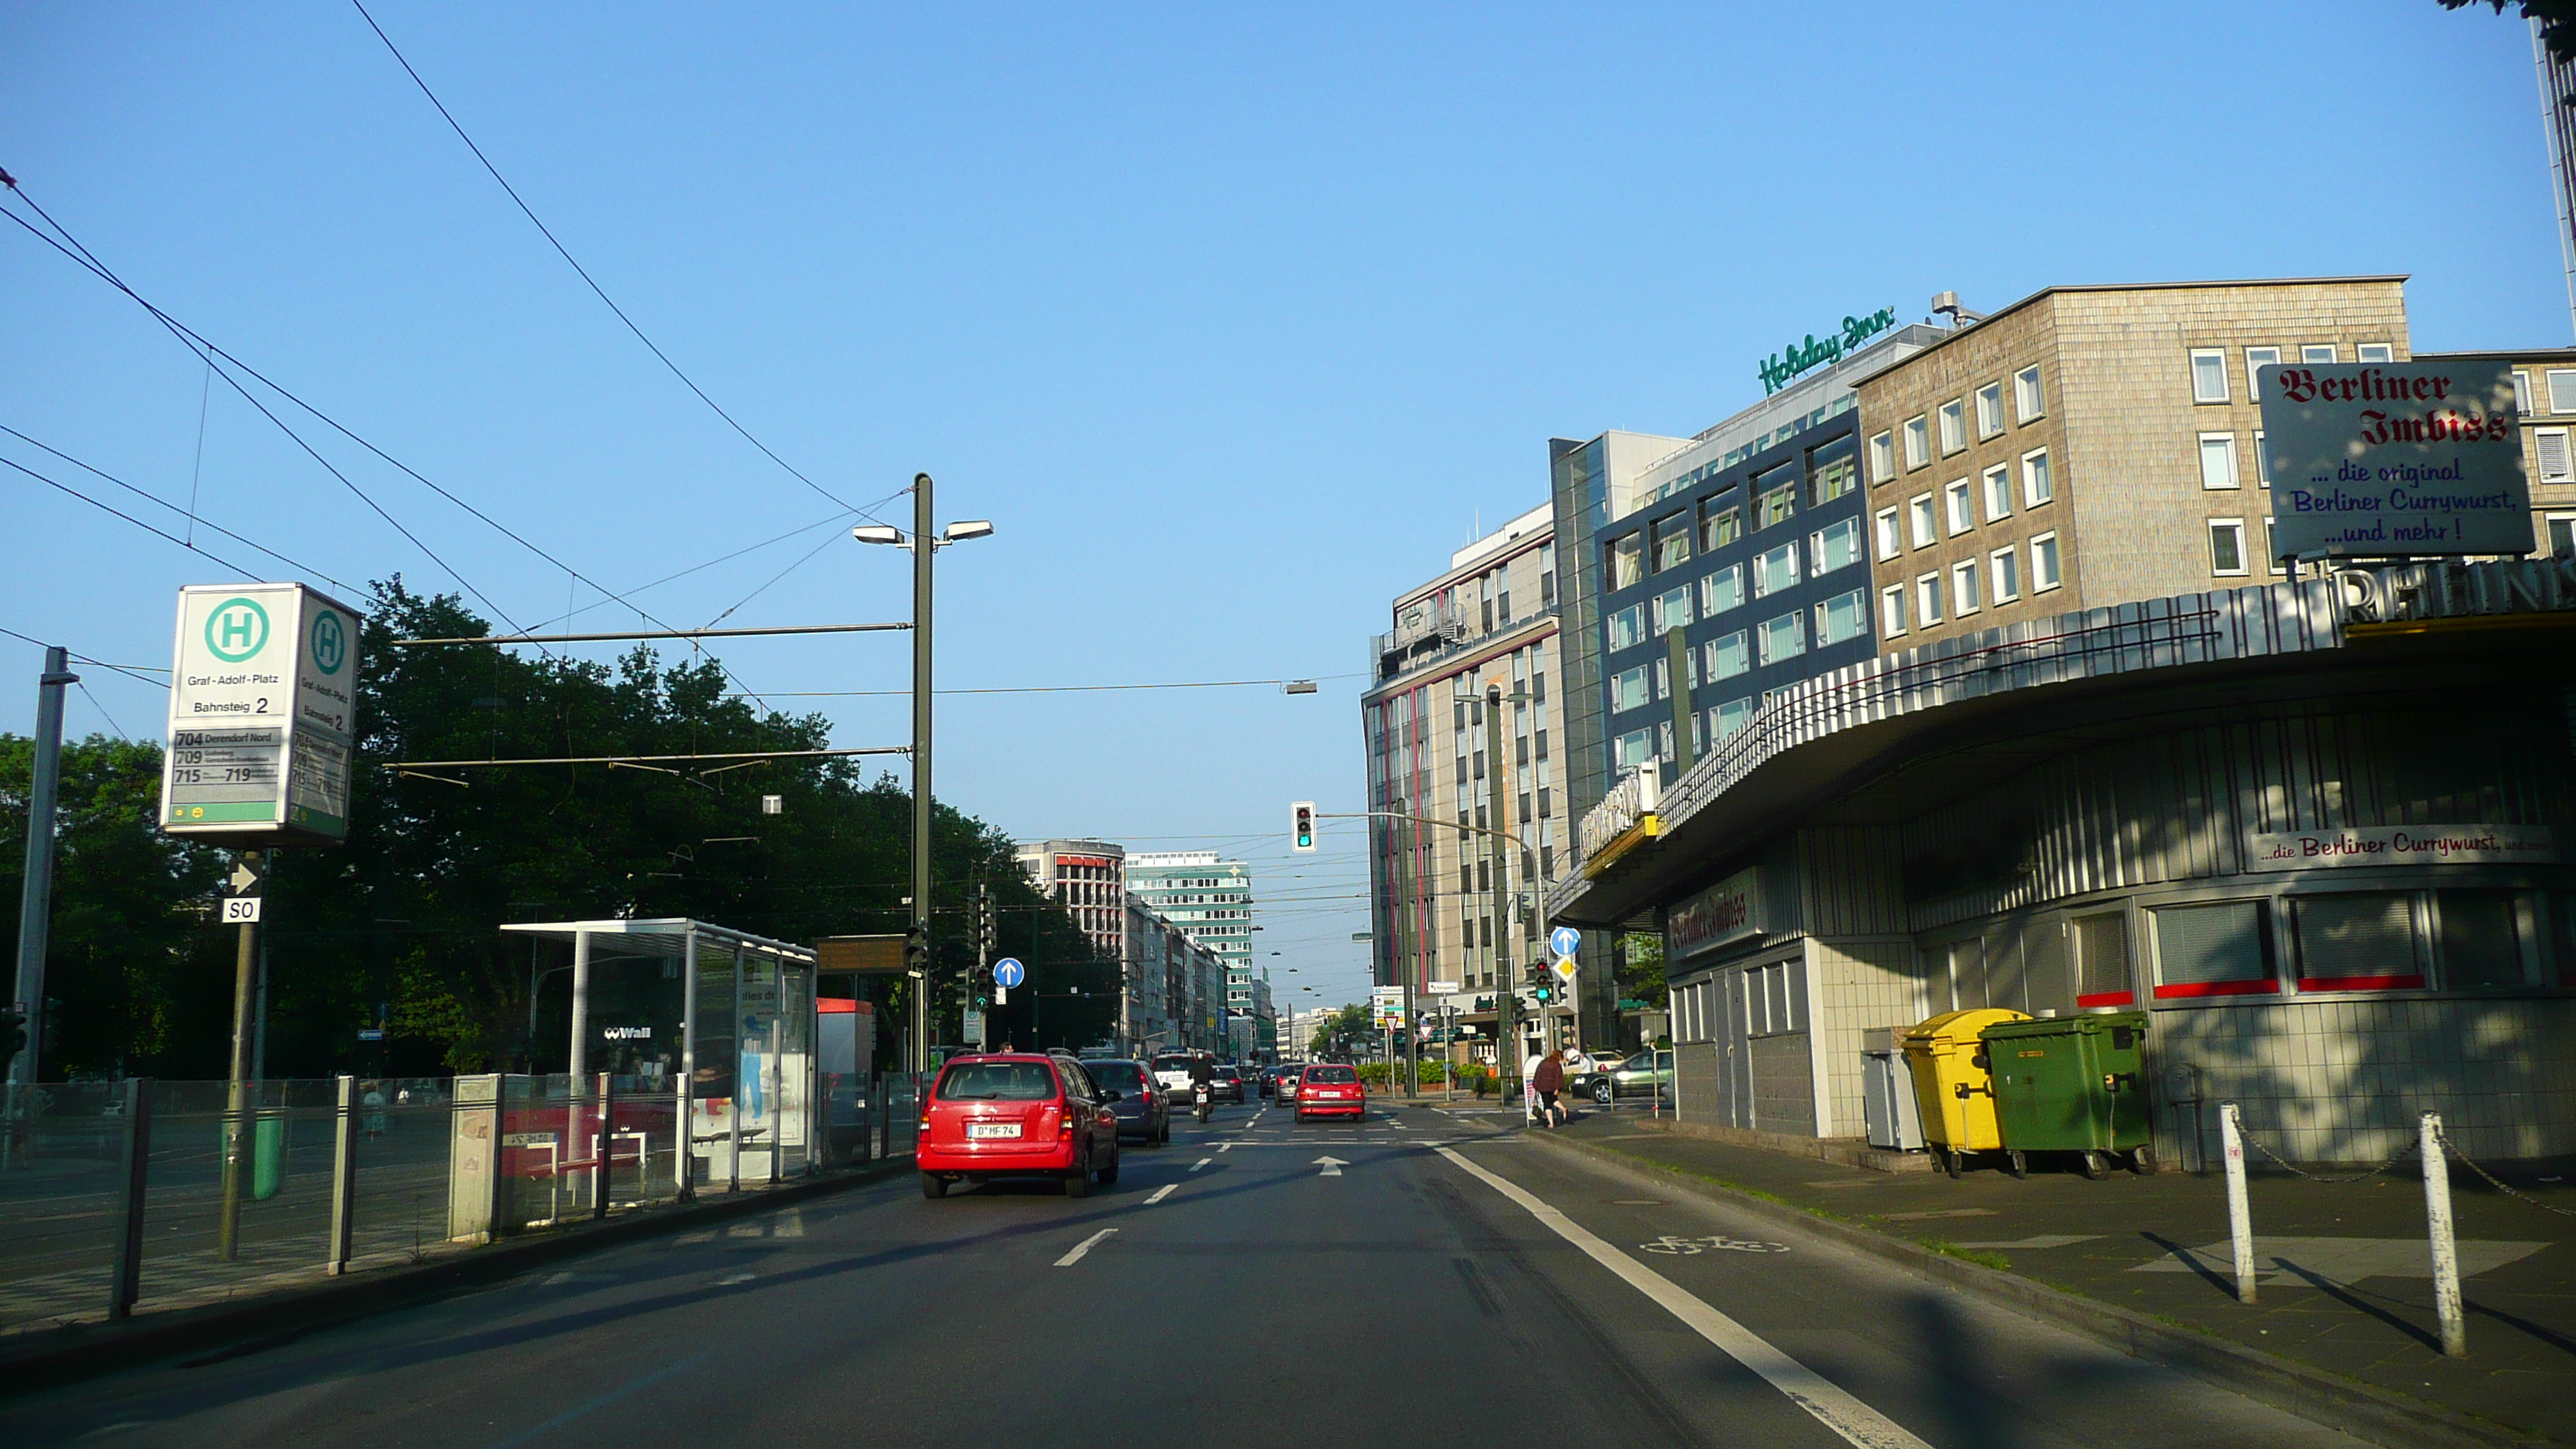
pixel 1780 367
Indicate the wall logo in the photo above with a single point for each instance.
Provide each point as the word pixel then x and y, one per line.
pixel 330 642
pixel 237 630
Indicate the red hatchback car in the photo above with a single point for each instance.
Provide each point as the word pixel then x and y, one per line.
pixel 1016 1115
pixel 1331 1091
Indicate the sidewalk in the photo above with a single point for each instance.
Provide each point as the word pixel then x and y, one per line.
pixel 2348 1283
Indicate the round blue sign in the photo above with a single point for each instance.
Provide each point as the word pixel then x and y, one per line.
pixel 1008 973
pixel 1564 939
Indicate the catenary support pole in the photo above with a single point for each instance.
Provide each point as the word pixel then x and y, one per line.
pixel 138 1157
pixel 577 1063
pixel 1507 1055
pixel 36 892
pixel 2240 1217
pixel 924 546
pixel 237 1123
pixel 344 1179
pixel 2445 1244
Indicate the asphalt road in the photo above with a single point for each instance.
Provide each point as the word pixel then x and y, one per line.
pixel 1444 1281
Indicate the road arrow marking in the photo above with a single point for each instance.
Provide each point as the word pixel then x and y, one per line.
pixel 1069 1259
pixel 1202 1162
pixel 1332 1166
pixel 1161 1193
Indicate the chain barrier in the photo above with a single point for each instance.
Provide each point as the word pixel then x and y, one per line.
pixel 2402 1154
pixel 2454 1149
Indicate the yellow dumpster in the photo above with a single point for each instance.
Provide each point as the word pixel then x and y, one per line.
pixel 1952 1084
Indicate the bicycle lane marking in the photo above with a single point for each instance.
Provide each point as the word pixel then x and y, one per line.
pixel 1856 1422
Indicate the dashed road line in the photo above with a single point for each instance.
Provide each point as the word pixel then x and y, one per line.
pixel 1085 1246
pixel 1202 1162
pixel 1161 1193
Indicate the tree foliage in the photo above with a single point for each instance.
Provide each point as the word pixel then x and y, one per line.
pixel 2557 26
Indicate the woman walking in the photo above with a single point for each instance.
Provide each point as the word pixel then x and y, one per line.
pixel 1547 1081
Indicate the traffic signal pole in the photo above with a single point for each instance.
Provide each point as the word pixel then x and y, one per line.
pixel 36 898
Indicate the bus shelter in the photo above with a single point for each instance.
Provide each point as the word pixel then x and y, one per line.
pixel 713 1026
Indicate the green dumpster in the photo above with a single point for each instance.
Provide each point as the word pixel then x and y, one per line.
pixel 2072 1084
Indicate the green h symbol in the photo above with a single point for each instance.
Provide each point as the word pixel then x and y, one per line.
pixel 236 627
pixel 237 630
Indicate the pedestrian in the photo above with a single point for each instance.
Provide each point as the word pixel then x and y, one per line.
pixel 1529 1087
pixel 1548 1080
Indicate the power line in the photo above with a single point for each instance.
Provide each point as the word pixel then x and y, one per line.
pixel 1058 689
pixel 584 273
pixel 124 669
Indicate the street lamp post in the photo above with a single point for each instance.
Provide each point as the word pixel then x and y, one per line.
pixel 924 547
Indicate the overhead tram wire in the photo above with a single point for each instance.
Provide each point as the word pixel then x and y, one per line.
pixel 1053 689
pixel 131 671
pixel 584 272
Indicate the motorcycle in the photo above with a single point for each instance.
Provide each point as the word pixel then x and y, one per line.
pixel 1204 1097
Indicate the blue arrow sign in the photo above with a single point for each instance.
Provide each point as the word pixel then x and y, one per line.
pixel 1564 939
pixel 1008 973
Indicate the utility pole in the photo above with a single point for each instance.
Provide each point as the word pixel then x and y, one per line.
pixel 36 902
pixel 1506 971
pixel 923 550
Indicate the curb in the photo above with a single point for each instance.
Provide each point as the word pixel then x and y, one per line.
pixel 66 1355
pixel 2362 1410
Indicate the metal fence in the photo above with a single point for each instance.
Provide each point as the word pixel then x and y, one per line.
pixel 114 1196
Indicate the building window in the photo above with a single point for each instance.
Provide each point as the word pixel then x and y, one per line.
pixel 1990 410
pixel 1891 610
pixel 2549 447
pixel 2318 354
pixel 1632 749
pixel 2036 485
pixel 1834 545
pixel 2004 569
pixel 2479 935
pixel 1927 600
pixel 2374 352
pixel 1844 616
pixel 1882 458
pixel 1663 680
pixel 2522 393
pixel 1627 627
pixel 1628 690
pixel 2208 375
pixel 1954 426
pixel 1721 522
pixel 1831 474
pixel 2043 563
pixel 2360 942
pixel 2262 461
pixel 1918 441
pixel 2219 949
pixel 1964 599
pixel 1729 656
pixel 2227 545
pixel 2101 943
pixel 1998 480
pixel 1783 638
pixel 1627 561
pixel 1888 541
pixel 1721 591
pixel 1962 511
pixel 1926 528
pixel 2218 461
pixel 1672 541
pixel 1672 609
pixel 1775 570
pixel 1775 497
pixel 2027 402
pixel 1733 715
pixel 2562 390
pixel 2561 541
pixel 2255 358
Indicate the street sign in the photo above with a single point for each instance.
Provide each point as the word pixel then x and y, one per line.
pixel 974 1032
pixel 1564 969
pixel 1443 988
pixel 2405 459
pixel 241 910
pixel 1008 973
pixel 1564 940
pixel 263 716
pixel 371 1033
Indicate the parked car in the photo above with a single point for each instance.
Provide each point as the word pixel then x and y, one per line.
pixel 1018 1114
pixel 1227 1085
pixel 1331 1090
pixel 1138 1106
pixel 1643 1073
pixel 1588 1083
pixel 1284 1091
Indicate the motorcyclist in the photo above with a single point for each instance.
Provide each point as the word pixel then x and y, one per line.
pixel 1202 1084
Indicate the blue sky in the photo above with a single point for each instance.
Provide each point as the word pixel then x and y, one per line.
pixel 1232 320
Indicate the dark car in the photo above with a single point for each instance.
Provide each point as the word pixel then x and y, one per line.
pixel 1140 1110
pixel 1226 1085
pixel 1594 1082
pixel 1270 1081
pixel 1645 1074
pixel 1016 1114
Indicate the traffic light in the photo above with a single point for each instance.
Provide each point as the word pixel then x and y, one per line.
pixel 13 1034
pixel 1545 991
pixel 1301 837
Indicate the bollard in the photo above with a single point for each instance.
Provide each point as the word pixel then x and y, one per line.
pixel 602 1164
pixel 2446 1251
pixel 344 1180
pixel 128 1282
pixel 2240 1217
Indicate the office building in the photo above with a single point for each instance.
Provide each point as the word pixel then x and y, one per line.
pixel 1210 898
pixel 2558 127
pixel 1089 877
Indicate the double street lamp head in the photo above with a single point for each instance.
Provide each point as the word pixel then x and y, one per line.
pixel 877 533
pixel 957 532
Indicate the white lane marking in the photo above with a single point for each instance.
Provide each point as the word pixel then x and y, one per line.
pixel 1161 1193
pixel 1069 1259
pixel 1856 1422
pixel 1202 1162
pixel 1332 1166
pixel 731 1279
pixel 1225 1147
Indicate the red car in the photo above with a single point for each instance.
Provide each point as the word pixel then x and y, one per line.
pixel 1016 1115
pixel 1330 1091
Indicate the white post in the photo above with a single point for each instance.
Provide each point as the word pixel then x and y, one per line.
pixel 577 1071
pixel 684 1151
pixel 2446 1252
pixel 2240 1218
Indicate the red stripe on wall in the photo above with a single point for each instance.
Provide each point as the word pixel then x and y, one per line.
pixel 2217 988
pixel 2361 983
pixel 2107 998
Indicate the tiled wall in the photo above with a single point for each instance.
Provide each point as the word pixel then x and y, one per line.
pixel 1784 1088
pixel 1860 984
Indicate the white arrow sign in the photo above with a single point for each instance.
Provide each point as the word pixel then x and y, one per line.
pixel 243 881
pixel 1332 1166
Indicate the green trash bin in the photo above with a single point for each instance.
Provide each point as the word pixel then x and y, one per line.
pixel 267 1155
pixel 2072 1084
